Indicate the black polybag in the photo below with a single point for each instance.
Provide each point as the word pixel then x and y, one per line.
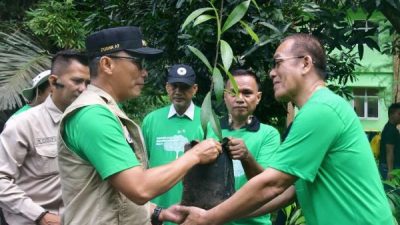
pixel 206 186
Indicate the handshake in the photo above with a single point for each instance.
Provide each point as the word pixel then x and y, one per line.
pixel 187 215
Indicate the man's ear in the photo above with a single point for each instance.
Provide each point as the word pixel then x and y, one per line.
pixel 195 88
pixel 259 95
pixel 106 64
pixel 167 87
pixel 53 80
pixel 308 64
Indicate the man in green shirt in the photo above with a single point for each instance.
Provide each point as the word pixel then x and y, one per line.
pixel 37 93
pixel 326 154
pixel 168 129
pixel 102 158
pixel 251 143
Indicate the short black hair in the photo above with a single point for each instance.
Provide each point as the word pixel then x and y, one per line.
pixel 62 59
pixel 246 72
pixel 94 67
pixel 307 44
pixel 393 107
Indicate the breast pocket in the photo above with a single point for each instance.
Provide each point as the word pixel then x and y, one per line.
pixel 45 160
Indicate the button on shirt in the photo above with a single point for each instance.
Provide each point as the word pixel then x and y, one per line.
pixel 29 177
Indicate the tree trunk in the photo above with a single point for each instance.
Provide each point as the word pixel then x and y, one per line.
pixel 396 68
pixel 396 80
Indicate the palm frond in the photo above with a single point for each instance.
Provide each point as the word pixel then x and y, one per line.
pixel 20 60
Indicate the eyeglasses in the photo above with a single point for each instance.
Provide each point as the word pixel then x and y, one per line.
pixel 135 60
pixel 277 61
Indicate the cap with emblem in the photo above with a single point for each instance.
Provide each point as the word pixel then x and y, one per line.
pixel 181 73
pixel 116 39
pixel 42 77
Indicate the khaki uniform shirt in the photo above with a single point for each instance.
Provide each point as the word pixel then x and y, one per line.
pixel 88 199
pixel 29 177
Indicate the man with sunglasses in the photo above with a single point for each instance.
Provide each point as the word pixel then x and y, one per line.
pixel 326 154
pixel 102 157
pixel 167 130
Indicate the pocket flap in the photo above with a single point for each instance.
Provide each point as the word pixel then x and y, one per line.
pixel 47 150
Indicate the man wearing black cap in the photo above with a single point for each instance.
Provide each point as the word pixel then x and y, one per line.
pixel 168 129
pixel 102 157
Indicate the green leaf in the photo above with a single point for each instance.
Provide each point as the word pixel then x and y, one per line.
pixel 201 56
pixel 21 58
pixel 206 111
pixel 295 216
pixel 216 125
pixel 233 82
pixel 360 50
pixel 250 31
pixel 194 15
pixel 270 26
pixel 218 84
pixel 286 27
pixel 207 115
pixel 236 15
pixel 202 19
pixel 255 4
pixel 226 54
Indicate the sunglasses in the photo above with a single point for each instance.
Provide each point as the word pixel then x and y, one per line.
pixel 139 62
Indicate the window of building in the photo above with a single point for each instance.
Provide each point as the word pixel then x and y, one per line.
pixel 364 25
pixel 366 102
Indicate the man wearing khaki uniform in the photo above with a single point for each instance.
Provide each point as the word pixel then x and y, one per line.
pixel 30 190
pixel 102 158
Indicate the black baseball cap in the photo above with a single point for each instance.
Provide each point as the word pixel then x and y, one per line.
pixel 116 39
pixel 181 73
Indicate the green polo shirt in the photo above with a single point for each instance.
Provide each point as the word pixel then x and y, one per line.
pixel 262 141
pixel 95 134
pixel 328 151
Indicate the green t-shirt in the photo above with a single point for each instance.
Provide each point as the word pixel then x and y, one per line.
pixel 165 139
pixel 262 144
pixel 23 109
pixel 328 151
pixel 95 134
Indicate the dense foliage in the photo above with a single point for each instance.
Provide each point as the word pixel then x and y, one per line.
pixel 64 23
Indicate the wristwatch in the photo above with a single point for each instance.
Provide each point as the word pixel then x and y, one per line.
pixel 155 216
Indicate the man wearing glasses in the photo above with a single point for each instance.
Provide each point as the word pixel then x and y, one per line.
pixel 326 154
pixel 102 156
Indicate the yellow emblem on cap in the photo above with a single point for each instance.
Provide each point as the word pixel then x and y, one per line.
pixel 144 43
pixel 108 48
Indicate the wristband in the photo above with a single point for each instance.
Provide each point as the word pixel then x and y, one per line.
pixel 37 221
pixel 155 217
